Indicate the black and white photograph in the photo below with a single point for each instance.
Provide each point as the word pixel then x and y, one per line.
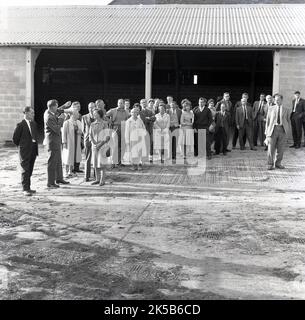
pixel 152 150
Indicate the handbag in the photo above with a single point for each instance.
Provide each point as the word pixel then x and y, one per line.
pixel 212 127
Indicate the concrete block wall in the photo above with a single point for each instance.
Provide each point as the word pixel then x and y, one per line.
pixel 292 74
pixel 12 89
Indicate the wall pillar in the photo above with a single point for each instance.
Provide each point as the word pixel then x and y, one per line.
pixel 148 73
pixel 31 57
pixel 276 72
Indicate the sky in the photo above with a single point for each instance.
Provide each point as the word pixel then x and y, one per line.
pixel 52 2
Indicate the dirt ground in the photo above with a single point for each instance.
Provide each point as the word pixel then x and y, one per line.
pixel 234 232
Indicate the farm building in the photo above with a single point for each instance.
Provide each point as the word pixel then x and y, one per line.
pixel 134 51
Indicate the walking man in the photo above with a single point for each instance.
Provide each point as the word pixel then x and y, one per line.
pixel 87 119
pixel 277 126
pixel 25 137
pixel 297 117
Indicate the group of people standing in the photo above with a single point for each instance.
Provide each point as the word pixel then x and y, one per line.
pixel 153 130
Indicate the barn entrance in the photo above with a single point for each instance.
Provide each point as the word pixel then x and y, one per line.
pixel 86 75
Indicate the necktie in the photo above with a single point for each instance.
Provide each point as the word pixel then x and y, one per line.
pixel 278 115
pixel 245 111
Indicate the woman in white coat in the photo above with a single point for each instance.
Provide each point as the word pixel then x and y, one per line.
pixel 135 134
pixel 71 140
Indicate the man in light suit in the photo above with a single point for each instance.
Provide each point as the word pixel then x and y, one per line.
pixel 277 127
pixel 244 123
pixel 87 119
pixel 53 121
pixel 259 116
pixel 297 117
pixel 25 137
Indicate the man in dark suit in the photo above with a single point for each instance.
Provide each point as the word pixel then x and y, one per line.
pixel 244 123
pixel 25 137
pixel 259 119
pixel 175 117
pixel 148 118
pixel 233 120
pixel 53 121
pixel 222 129
pixel 202 120
pixel 296 118
pixel 229 108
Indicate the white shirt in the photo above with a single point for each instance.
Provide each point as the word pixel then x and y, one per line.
pixel 29 125
pixel 295 104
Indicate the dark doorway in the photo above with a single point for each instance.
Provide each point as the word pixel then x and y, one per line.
pixel 86 75
pixel 192 74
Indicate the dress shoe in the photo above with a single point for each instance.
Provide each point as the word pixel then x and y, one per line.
pixel 242 148
pixel 102 183
pixel 27 193
pixel 32 191
pixel 266 148
pixel 86 180
pixel 62 182
pixel 270 168
pixel 254 149
pixel 53 186
pixel 224 153
pixel 227 150
pixel 78 171
pixel 94 183
pixel 279 166
pixel 292 146
pixel 297 147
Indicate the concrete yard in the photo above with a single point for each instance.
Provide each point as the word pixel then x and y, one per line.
pixel 235 232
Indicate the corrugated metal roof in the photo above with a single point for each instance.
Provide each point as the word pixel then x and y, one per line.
pixel 184 26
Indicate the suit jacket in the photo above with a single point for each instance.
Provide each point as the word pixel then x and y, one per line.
pixel 263 111
pixel 240 116
pixel 226 121
pixel 233 113
pixel 86 123
pixel 52 130
pixel 23 139
pixel 271 119
pixel 300 108
pixel 146 113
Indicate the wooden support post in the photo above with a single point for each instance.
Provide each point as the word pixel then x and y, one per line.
pixel 276 72
pixel 148 73
pixel 31 57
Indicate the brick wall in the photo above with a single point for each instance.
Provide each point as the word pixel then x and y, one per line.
pixel 12 89
pixel 292 73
